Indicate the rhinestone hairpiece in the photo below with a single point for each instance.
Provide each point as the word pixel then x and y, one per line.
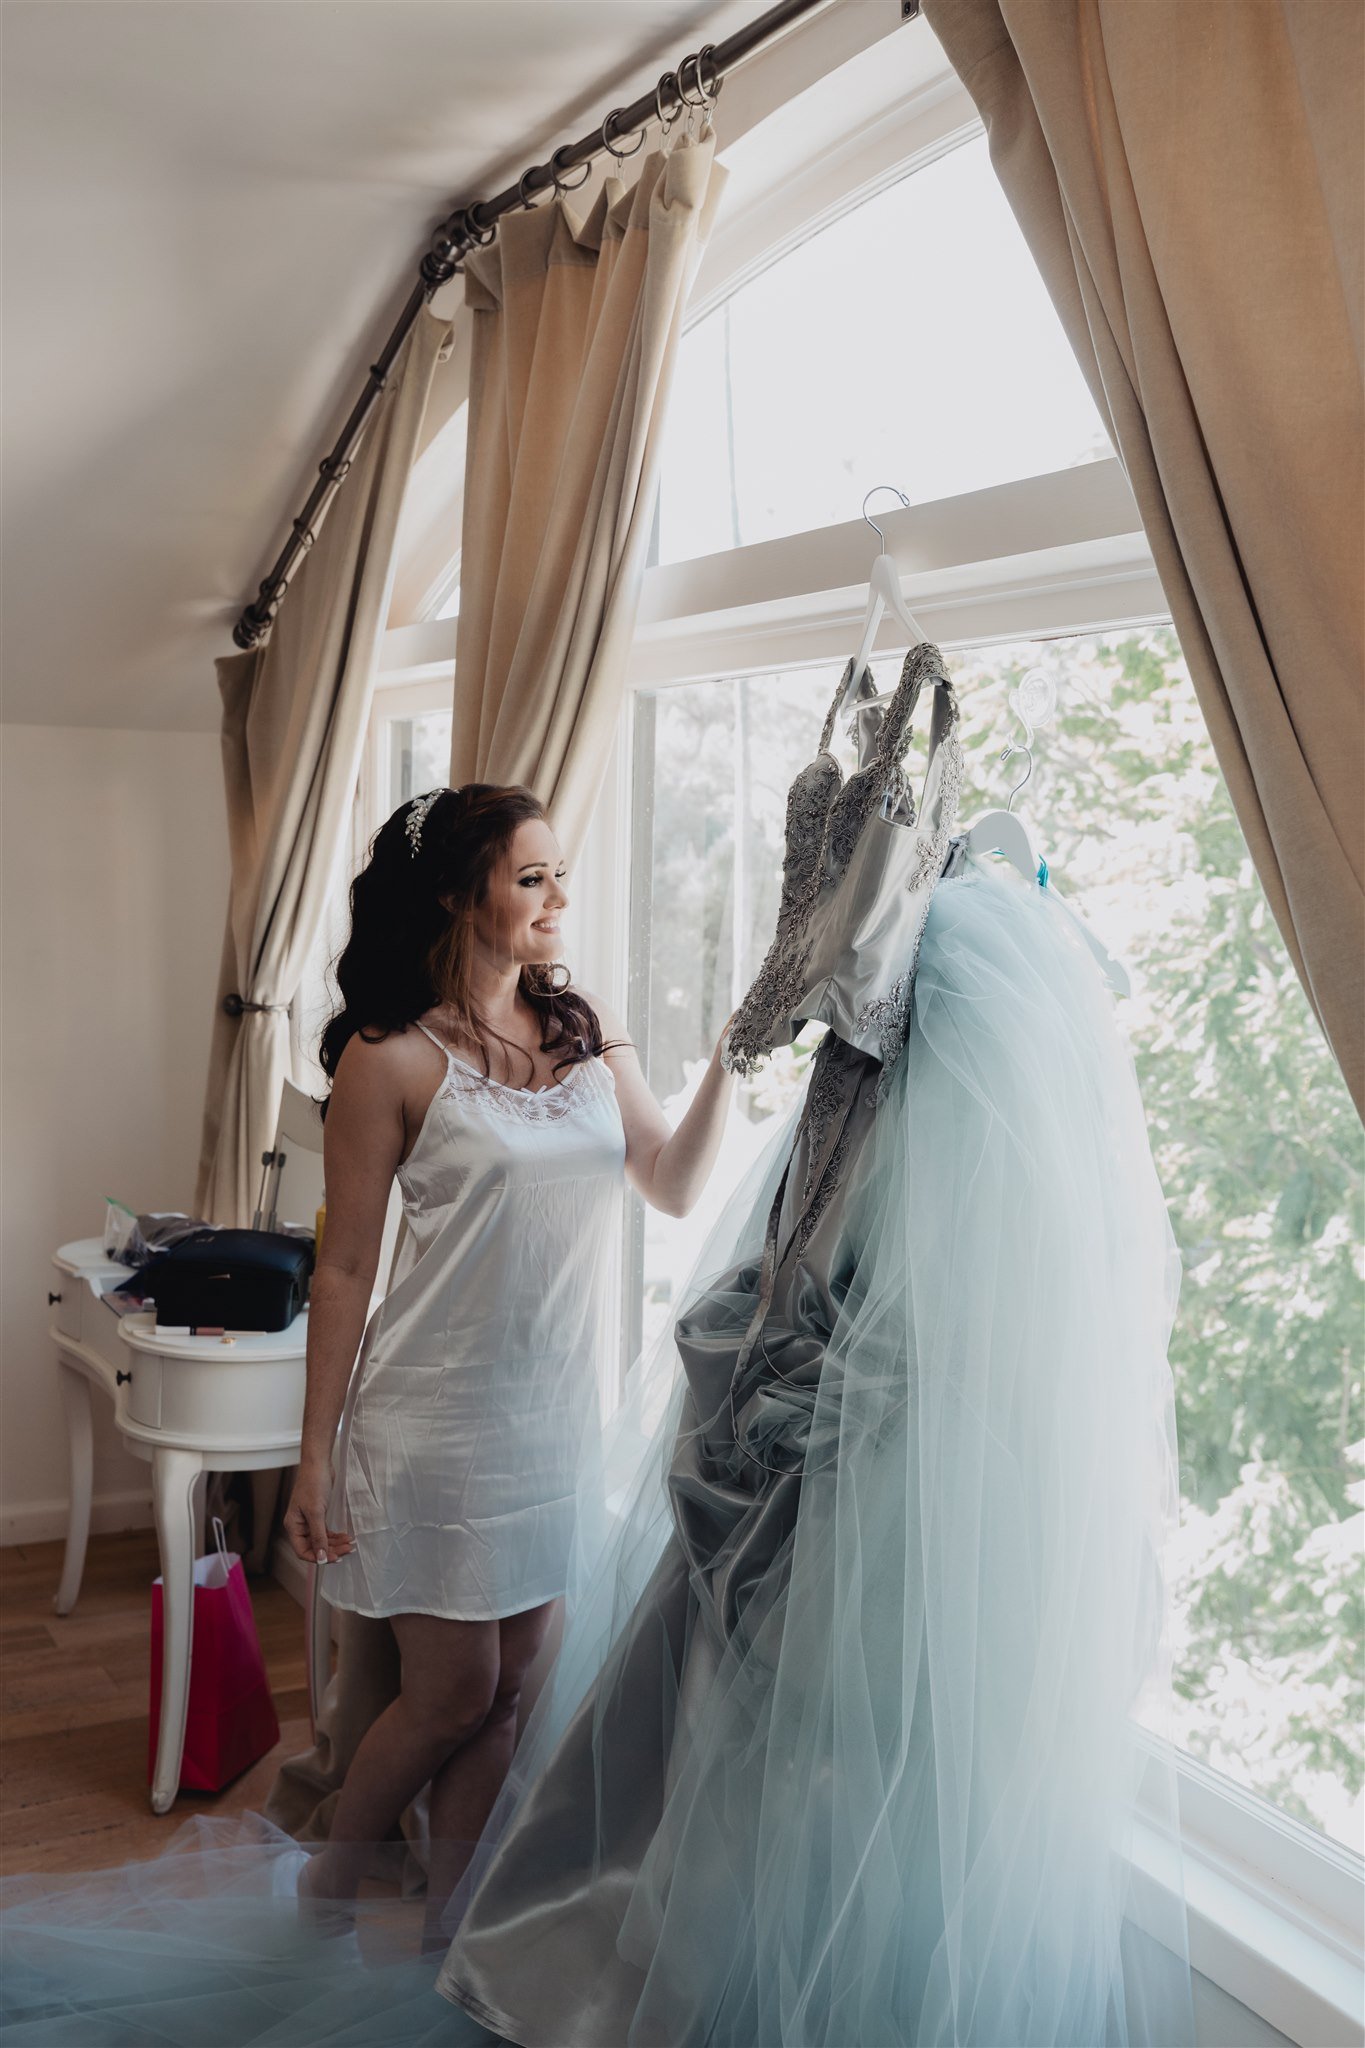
pixel 417 817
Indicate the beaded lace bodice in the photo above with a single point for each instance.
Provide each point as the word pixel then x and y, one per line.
pixel 859 868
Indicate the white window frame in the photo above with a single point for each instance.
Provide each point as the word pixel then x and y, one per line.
pixel 1275 1908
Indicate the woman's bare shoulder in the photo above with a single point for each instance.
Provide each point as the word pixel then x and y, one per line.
pixel 375 1061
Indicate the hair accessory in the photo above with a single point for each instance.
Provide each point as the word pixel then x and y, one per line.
pixel 417 817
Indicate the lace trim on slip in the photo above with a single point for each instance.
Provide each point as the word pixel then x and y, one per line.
pixel 464 1083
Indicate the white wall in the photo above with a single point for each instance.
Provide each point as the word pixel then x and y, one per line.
pixel 112 899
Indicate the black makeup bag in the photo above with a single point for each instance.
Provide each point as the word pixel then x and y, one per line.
pixel 227 1279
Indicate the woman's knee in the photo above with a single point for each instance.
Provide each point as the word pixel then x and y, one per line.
pixel 502 1708
pixel 450 1675
pixel 453 1712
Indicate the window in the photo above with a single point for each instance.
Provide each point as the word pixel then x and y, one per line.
pixel 787 384
pixel 415 750
pixel 1254 1136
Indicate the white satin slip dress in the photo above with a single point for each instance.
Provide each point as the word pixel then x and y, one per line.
pixel 473 1412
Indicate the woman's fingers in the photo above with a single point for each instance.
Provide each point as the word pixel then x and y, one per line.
pixel 317 1534
pixel 305 1525
pixel 295 1528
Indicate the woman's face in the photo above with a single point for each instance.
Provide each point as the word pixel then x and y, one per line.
pixel 519 918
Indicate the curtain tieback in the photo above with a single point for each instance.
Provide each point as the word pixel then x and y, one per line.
pixel 235 1005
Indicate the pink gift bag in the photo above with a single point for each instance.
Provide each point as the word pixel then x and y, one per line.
pixel 231 1719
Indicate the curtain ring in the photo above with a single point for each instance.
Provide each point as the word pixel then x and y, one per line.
pixel 667 122
pixel 556 172
pixel 706 95
pixel 469 231
pixel 683 94
pixel 521 188
pixel 620 154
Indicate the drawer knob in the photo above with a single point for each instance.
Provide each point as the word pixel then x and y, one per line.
pixel 52 1298
pixel 120 1377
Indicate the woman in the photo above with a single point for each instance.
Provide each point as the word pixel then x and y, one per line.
pixel 465 1062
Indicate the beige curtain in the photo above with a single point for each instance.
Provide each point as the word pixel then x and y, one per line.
pixel 294 720
pixel 1188 174
pixel 576 328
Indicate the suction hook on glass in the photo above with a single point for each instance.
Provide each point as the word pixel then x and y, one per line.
pixel 1034 700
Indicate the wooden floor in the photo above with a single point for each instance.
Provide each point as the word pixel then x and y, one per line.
pixel 73 1708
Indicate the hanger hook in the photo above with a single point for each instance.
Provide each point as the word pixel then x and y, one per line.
pixel 872 522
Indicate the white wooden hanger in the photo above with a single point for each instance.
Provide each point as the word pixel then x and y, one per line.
pixel 883 595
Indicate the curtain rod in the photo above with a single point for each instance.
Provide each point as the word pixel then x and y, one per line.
pixel 465 229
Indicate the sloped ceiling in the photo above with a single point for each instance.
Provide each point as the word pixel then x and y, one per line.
pixel 212 214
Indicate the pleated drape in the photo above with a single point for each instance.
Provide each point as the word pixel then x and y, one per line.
pixel 1188 175
pixel 576 326
pixel 294 719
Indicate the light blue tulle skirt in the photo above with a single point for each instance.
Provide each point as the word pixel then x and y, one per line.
pixel 918 1799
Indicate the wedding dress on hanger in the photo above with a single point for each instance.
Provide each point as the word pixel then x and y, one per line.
pixel 846 1739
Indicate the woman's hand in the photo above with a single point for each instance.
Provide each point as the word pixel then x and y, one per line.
pixel 305 1519
pixel 668 1167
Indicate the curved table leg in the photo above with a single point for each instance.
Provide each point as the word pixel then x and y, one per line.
pixel 76 1402
pixel 173 1481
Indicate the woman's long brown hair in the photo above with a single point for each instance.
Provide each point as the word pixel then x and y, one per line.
pixel 411 945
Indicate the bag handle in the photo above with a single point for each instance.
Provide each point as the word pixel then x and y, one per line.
pixel 220 1539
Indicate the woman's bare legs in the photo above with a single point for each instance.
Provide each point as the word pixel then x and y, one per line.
pixel 468 1782
pixel 453 1683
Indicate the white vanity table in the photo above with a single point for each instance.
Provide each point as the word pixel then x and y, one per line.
pixel 187 1405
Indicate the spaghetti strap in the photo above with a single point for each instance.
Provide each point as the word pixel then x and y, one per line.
pixel 440 1042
